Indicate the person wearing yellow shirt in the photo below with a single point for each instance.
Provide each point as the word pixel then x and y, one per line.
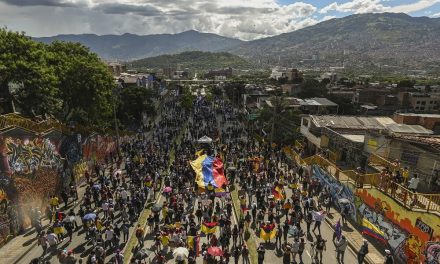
pixel 54 202
pixel 405 175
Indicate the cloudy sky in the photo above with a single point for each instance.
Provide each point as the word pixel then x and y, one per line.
pixel 244 19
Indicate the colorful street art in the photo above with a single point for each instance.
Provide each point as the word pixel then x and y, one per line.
pixel 432 252
pixel 337 189
pixel 97 147
pixel 407 232
pixel 25 156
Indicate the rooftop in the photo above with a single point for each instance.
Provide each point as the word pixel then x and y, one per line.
pixel 427 140
pixel 351 122
pixel 420 115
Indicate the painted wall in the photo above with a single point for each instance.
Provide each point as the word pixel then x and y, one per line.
pixel 32 168
pixel 337 189
pixel 407 232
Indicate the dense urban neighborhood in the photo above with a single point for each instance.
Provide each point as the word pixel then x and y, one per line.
pixel 196 148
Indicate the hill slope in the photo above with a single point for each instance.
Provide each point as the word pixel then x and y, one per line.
pixel 359 40
pixel 195 60
pixel 130 47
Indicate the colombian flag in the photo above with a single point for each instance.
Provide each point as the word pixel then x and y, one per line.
pixel 268 232
pixel 371 230
pixel 209 170
pixel 193 243
pixel 209 228
pixel 277 193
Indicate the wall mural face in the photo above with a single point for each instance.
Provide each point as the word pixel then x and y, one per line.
pixel 407 232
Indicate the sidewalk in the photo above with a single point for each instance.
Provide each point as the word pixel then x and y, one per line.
pixel 355 238
pixel 19 246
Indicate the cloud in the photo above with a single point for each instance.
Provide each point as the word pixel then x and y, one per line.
pixel 52 3
pixel 355 6
pixel 435 15
pixel 414 7
pixel 121 9
pixel 376 6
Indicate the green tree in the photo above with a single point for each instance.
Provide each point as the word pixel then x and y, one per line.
pixel 134 102
pixel 312 88
pixel 281 123
pixel 187 99
pixel 23 66
pixel 86 85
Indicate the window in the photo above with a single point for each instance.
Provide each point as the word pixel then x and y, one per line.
pixel 424 103
pixel 418 102
pixel 422 108
pixel 431 102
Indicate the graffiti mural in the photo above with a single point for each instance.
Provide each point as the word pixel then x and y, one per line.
pixel 97 147
pixel 26 156
pixel 432 252
pixel 407 232
pixel 337 189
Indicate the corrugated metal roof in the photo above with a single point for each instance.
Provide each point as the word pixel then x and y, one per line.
pixel 409 129
pixel 351 122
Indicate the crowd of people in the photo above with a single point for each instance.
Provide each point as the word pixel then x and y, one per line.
pixel 280 201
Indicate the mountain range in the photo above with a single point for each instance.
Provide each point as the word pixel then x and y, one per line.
pixel 128 47
pixel 362 40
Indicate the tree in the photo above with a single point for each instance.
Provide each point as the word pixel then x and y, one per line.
pixel 312 88
pixel 405 84
pixel 134 101
pixel 86 85
pixel 23 64
pixel 282 124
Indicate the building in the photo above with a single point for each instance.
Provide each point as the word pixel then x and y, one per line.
pixel 345 136
pixel 428 121
pixel 222 74
pixel 419 102
pixel 116 68
pixel 420 153
pixel 290 74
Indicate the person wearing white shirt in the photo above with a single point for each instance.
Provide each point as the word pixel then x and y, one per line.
pixel 413 183
pixel 109 233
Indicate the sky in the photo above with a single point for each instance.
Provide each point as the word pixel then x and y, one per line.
pixel 243 19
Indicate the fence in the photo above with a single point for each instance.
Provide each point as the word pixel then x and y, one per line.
pixel 409 199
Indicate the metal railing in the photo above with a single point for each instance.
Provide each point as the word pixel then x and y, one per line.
pixel 407 198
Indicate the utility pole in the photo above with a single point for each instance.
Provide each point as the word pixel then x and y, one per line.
pixel 273 121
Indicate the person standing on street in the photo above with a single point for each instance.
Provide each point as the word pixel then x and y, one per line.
pixel 362 252
pixel 261 251
pixel 341 246
pixel 389 259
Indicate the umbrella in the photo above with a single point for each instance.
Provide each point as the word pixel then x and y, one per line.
pixel 205 140
pixel 167 189
pixel 89 217
pixel 180 253
pixel 142 254
pixel 344 201
pixel 156 208
pixel 215 251
pixel 69 219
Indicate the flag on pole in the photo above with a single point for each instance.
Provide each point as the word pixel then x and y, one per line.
pixel 338 229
